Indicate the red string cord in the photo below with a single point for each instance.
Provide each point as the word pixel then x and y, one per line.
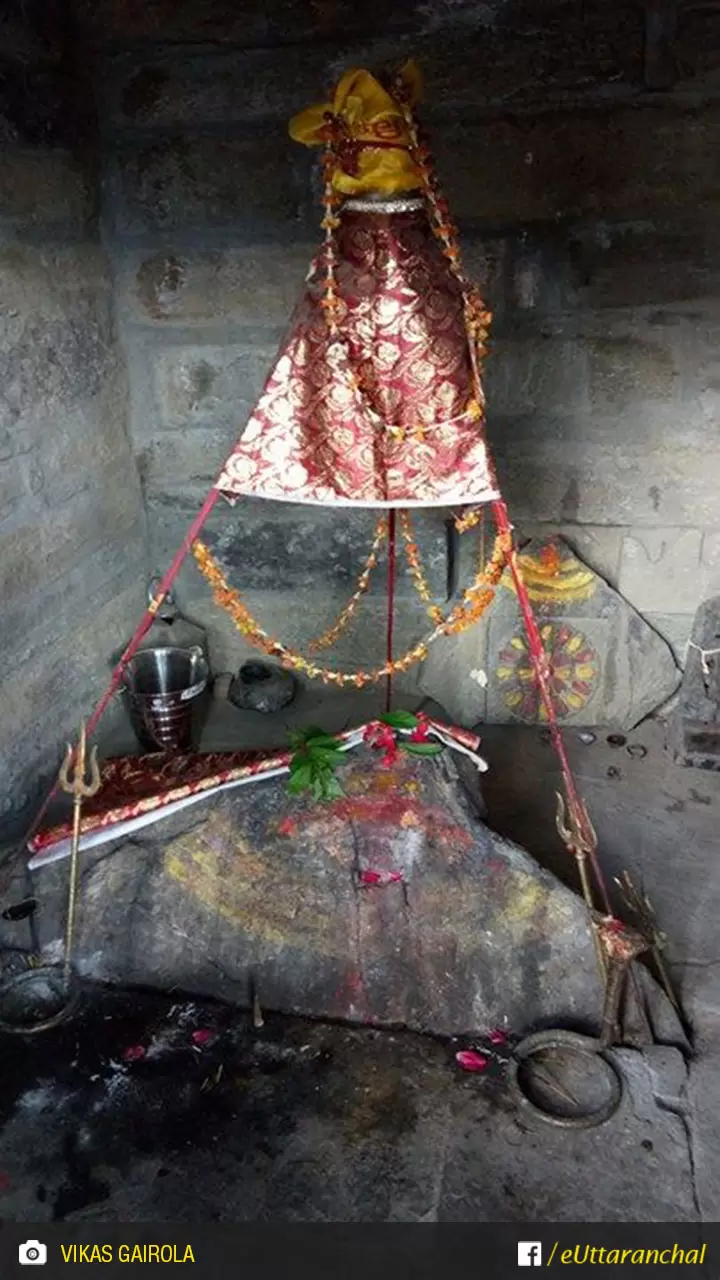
pixel 392 545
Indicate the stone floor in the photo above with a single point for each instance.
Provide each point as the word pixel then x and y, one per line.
pixel 369 1125
pixel 661 822
pixel 145 1110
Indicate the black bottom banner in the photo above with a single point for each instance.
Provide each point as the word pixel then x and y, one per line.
pixel 362 1251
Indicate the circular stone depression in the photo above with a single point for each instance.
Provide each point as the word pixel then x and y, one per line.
pixel 35 1001
pixel 565 1079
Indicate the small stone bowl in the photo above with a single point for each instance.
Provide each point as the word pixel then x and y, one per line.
pixel 599 1078
pixel 36 1000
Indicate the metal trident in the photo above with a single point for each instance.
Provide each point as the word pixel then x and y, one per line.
pixel 580 839
pixel 76 785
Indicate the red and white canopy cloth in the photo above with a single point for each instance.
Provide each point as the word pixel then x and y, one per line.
pixel 384 415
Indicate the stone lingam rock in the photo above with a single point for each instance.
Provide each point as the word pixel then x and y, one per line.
pixel 608 666
pixel 261 686
pixel 392 905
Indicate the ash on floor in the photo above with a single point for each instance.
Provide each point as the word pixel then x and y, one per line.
pixel 147 1110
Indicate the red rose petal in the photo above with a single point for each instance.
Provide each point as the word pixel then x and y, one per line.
pixel 134 1052
pixel 469 1060
pixel 202 1035
pixel 498 1036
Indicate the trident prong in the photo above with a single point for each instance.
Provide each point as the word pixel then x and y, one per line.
pixel 581 844
pixel 76 785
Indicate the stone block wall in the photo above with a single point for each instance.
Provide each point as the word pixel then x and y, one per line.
pixel 72 538
pixel 587 203
pixel 152 136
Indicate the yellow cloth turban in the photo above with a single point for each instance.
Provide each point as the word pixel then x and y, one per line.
pixel 364 114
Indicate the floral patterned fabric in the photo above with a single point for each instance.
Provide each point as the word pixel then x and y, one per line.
pixel 133 786
pixel 383 416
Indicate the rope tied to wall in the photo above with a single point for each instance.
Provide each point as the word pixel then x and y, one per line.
pixel 704 655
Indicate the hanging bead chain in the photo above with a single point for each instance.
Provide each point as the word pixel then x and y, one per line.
pixel 330 301
pixel 328 638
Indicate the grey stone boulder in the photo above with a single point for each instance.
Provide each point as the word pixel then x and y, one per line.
pixel 393 905
pixel 608 666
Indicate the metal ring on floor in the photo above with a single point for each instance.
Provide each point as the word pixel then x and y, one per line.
pixel 41 991
pixel 581 1046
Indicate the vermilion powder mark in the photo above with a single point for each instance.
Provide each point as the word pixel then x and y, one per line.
pixel 380 877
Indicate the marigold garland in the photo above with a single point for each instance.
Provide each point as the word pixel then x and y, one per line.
pixel 469 520
pixel 476 599
pixel 328 638
pixel 412 552
pixel 480 594
pixel 330 302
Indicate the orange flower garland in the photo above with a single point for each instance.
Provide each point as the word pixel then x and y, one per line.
pixel 412 553
pixel 327 640
pixel 476 600
pixel 330 301
pixel 469 520
pixel 479 596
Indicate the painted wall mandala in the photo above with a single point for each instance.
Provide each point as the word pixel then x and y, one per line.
pixel 574 672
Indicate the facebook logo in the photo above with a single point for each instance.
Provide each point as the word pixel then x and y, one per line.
pixel 530 1253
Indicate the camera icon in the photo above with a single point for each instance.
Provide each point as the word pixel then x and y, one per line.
pixel 32 1254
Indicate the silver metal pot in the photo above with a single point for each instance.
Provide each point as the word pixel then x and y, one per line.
pixel 162 684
